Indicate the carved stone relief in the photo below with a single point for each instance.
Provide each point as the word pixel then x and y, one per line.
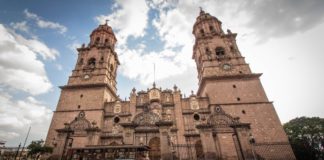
pixel 79 124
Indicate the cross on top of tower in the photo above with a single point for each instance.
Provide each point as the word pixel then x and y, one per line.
pixel 201 10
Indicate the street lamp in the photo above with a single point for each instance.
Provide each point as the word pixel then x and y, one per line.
pixel 252 142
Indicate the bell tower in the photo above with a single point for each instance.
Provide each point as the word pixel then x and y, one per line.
pixel 228 82
pixel 97 63
pixel 91 85
pixel 220 65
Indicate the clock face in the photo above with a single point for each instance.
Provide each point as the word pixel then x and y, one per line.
pixel 227 66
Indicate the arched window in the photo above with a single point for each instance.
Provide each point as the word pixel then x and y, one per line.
pixel 212 29
pixel 220 52
pixel 97 40
pixel 202 32
pixel 207 50
pixel 111 67
pixel 208 53
pixel 81 61
pixel 92 62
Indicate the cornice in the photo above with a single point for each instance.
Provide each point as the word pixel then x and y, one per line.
pixel 226 77
pixel 94 85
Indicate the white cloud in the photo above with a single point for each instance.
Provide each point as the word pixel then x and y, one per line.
pixel 174 28
pixel 59 67
pixel 45 24
pixel 19 66
pixel 129 19
pixel 22 26
pixel 73 47
pixel 140 66
pixel 17 115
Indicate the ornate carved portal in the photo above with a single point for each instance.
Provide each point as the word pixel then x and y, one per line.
pixel 155 151
pixel 145 121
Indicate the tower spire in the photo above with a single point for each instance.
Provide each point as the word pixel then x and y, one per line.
pixel 201 10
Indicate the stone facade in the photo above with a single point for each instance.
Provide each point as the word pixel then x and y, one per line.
pixel 229 117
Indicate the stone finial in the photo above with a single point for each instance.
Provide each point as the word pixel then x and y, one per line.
pixel 175 88
pixel 83 45
pixel 133 90
pixel 154 85
pixel 192 92
pixel 229 31
pixel 201 11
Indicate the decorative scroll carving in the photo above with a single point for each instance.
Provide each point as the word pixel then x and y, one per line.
pixel 117 107
pixel 194 103
pixel 116 129
pixel 220 119
pixel 155 108
pixel 146 119
pixel 154 94
pixel 80 124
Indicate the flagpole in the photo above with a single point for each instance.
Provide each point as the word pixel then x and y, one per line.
pixel 24 142
pixel 154 72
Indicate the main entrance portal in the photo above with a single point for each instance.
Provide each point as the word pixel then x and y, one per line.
pixel 155 151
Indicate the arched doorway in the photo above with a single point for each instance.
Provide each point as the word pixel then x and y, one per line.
pixel 199 150
pixel 155 152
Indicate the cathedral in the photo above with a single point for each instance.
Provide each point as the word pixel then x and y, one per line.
pixel 229 117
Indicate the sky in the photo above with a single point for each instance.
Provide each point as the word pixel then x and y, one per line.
pixel 283 39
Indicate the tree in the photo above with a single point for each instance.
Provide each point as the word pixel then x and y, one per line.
pixel 36 148
pixel 306 136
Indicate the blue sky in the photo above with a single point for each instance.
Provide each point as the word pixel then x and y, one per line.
pixel 282 39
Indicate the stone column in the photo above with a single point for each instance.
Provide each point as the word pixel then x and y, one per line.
pixel 165 144
pixel 207 141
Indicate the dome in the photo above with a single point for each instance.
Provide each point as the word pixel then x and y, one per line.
pixel 103 35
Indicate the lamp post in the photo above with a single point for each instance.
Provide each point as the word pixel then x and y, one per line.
pixel 252 142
